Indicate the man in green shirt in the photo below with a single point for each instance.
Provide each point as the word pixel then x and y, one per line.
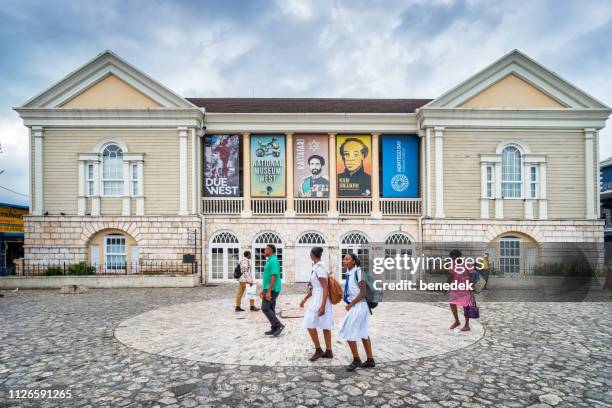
pixel 271 288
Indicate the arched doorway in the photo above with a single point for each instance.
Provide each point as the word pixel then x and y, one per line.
pixel 259 243
pixel 303 246
pixel 113 251
pixel 358 243
pixel 224 254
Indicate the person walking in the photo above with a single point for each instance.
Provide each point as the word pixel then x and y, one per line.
pixel 271 289
pixel 354 326
pixel 460 273
pixel 246 278
pixel 319 314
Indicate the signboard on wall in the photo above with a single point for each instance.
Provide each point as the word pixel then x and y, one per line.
pixel 221 166
pixel 400 166
pixel 354 165
pixel 310 165
pixel 268 177
pixel 11 218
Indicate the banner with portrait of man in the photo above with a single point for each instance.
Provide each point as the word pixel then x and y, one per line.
pixel 268 166
pixel 310 165
pixel 221 166
pixel 354 165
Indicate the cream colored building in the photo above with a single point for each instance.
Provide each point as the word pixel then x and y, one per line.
pixel 507 160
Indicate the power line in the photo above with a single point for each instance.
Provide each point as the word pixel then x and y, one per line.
pixel 13 191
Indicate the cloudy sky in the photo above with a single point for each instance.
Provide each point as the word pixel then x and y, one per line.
pixel 291 48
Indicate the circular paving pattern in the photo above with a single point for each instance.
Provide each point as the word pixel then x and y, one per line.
pixel 212 332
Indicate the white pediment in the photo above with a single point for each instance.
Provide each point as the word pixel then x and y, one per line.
pixel 517 65
pixel 106 67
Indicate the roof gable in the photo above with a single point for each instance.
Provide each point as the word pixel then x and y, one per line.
pixel 550 87
pixel 93 73
pixel 111 92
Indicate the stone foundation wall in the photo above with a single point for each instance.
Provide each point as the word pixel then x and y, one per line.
pixel 57 239
pixel 487 230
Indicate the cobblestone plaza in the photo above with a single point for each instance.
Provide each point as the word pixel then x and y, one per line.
pixel 521 354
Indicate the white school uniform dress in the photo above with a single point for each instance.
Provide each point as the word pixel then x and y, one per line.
pixel 312 320
pixel 354 326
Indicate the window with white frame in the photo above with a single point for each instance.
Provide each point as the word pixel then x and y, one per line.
pixel 112 170
pixel 510 255
pixel 533 181
pixel 134 179
pixel 358 244
pixel 511 172
pixel 115 256
pixel 489 181
pixel 89 179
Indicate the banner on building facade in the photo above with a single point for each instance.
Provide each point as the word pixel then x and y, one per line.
pixel 354 165
pixel 310 166
pixel 400 166
pixel 268 175
pixel 221 166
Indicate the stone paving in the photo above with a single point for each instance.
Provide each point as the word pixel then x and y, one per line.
pixel 400 331
pixel 531 354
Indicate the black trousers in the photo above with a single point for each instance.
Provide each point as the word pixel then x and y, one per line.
pixel 269 309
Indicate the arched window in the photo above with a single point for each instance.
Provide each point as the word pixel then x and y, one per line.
pixel 224 255
pixel 259 244
pixel 511 172
pixel 112 170
pixel 359 244
pixel 396 244
pixel 313 238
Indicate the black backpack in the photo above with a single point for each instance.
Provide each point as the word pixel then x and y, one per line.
pixel 373 296
pixel 237 271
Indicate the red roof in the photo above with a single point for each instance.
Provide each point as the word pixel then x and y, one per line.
pixel 307 105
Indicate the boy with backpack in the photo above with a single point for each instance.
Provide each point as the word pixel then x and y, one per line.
pixel 245 276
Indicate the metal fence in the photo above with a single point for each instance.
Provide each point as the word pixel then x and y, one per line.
pixel 24 268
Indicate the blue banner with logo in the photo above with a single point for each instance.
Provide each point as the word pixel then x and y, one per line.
pixel 400 166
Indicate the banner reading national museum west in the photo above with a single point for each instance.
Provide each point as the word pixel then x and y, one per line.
pixel 354 165
pixel 268 166
pixel 400 166
pixel 310 165
pixel 221 166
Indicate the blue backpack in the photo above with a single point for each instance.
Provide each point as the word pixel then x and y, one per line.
pixel 373 296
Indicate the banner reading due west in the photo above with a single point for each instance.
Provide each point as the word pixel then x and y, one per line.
pixel 354 165
pixel 310 166
pixel 400 166
pixel 268 164
pixel 221 166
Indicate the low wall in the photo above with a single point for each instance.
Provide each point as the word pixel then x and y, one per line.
pixel 100 281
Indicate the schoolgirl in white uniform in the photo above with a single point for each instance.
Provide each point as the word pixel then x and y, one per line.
pixel 319 314
pixel 354 326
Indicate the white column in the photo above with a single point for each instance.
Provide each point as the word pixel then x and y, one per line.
pixel 289 169
pixel 527 200
pixel 38 134
pixel 95 200
pixel 428 166
pixel 499 201
pixel 543 206
pixel 126 188
pixel 140 197
pixel 246 172
pixel 484 200
pixel 81 200
pixel 182 132
pixel 376 213
pixel 194 196
pixel 439 137
pixel 591 214
pixel 333 180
